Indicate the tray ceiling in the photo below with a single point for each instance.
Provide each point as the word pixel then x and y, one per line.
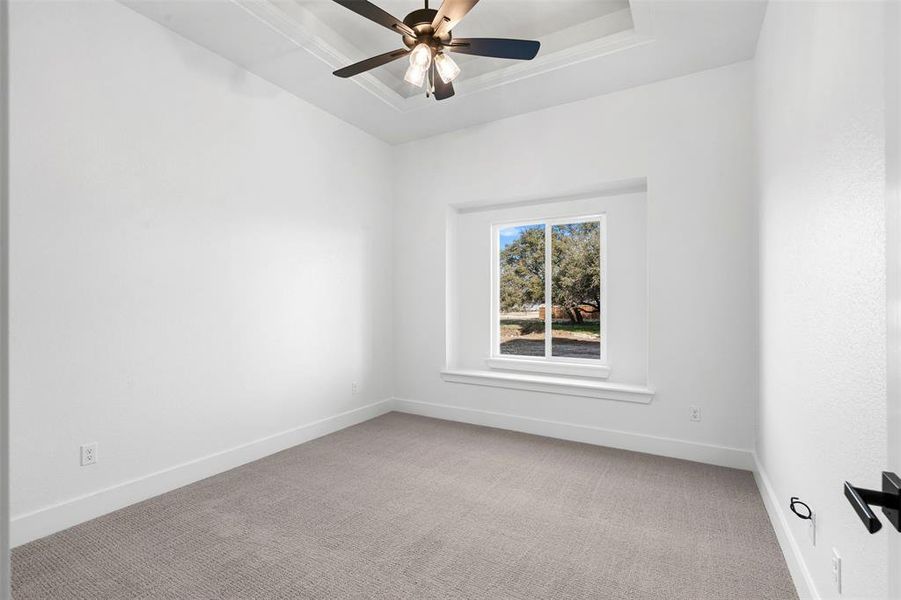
pixel 559 25
pixel 589 47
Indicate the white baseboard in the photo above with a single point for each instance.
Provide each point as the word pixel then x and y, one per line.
pixel 807 589
pixel 33 525
pixel 705 453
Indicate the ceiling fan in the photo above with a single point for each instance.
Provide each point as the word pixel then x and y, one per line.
pixel 427 36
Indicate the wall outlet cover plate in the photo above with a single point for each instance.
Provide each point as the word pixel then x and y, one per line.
pixel 88 454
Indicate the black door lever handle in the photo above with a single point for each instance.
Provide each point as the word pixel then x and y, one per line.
pixel 889 499
pixel 862 507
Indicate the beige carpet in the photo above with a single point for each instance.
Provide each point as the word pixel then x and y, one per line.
pixel 408 507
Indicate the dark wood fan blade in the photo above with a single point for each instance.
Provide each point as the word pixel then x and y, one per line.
pixel 371 63
pixel 451 13
pixel 442 90
pixel 376 14
pixel 495 47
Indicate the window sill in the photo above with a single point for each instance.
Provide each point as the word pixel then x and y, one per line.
pixel 566 386
pixel 548 367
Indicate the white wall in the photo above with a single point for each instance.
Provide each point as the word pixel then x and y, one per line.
pixel 893 259
pixel 4 302
pixel 199 259
pixel 691 138
pixel 822 415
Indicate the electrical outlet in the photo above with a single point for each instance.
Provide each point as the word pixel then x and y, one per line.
pixel 837 570
pixel 88 454
pixel 354 388
pixel 694 413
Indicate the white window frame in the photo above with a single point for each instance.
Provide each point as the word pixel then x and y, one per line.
pixel 557 365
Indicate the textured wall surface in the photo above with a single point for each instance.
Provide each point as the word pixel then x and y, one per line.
pixel 195 266
pixel 691 138
pixel 893 257
pixel 822 416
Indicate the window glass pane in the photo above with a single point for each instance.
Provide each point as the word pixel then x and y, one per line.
pixel 576 290
pixel 521 294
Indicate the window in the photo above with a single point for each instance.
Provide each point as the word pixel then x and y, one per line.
pixel 549 295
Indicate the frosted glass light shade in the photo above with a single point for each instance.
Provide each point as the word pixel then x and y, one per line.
pixel 421 56
pixel 446 67
pixel 415 75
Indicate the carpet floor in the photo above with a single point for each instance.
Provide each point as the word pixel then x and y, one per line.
pixel 408 507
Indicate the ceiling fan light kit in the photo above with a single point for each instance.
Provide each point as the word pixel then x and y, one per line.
pixel 420 61
pixel 427 36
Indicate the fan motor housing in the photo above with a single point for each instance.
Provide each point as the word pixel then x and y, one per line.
pixel 421 21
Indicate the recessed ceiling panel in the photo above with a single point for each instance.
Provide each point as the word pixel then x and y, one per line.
pixel 563 20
